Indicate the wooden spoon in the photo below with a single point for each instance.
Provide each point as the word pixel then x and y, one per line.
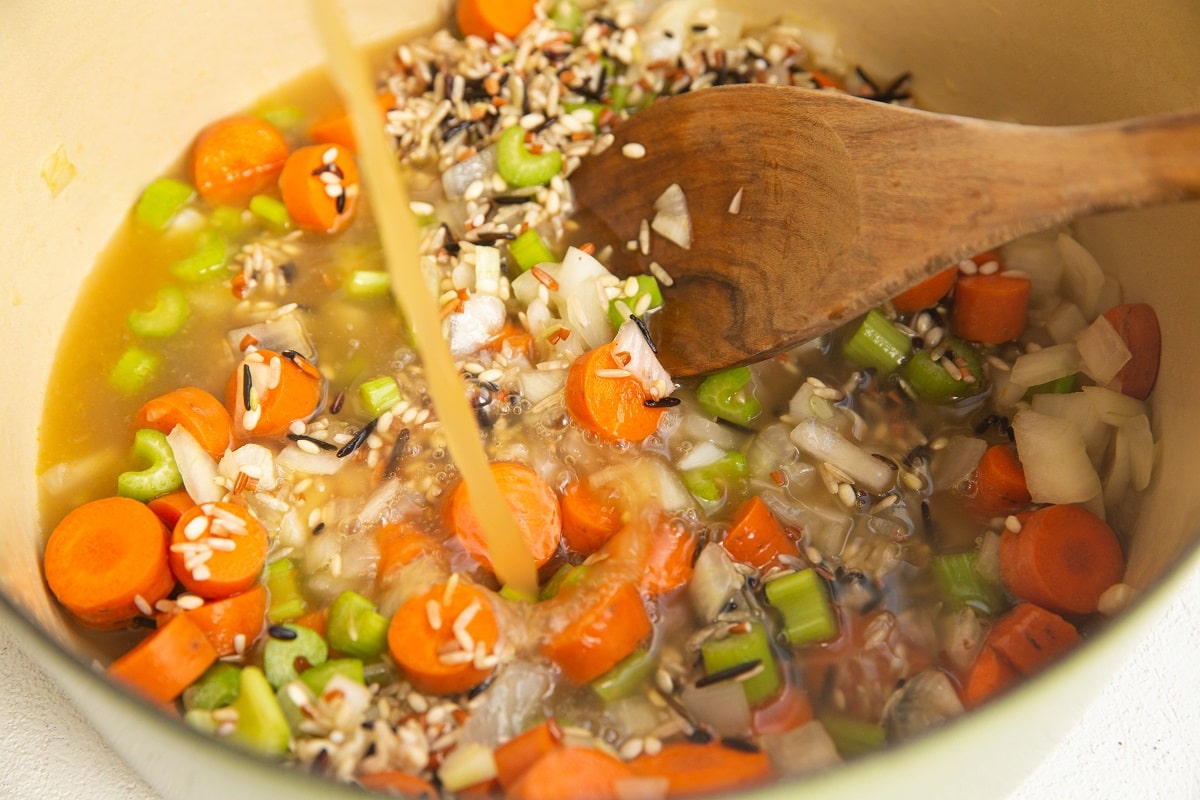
pixel 844 203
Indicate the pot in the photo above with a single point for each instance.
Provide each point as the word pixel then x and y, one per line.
pixel 116 97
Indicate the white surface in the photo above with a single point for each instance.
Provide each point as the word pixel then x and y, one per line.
pixel 1140 739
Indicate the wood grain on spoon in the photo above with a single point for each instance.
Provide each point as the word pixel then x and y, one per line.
pixel 845 202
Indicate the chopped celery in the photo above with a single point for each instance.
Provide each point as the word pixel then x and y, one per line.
pixel 961 584
pixel 1064 385
pixel 217 687
pixel 518 166
pixel 712 482
pixel 729 395
pixel 316 677
pixel 227 220
pixel 283 585
pixel 355 627
pixel 510 592
pixel 161 201
pixel 627 677
pixel 133 370
pixel 931 382
pixel 564 576
pixel 207 261
pixel 161 477
pixel 742 648
pixel 261 725
pixel 271 211
pixel 379 394
pixel 647 286
pixel 280 656
pixel 529 249
pixel 368 283
pixel 878 343
pixel 200 719
pixel 165 319
pixel 567 16
pixel 851 736
pixel 803 599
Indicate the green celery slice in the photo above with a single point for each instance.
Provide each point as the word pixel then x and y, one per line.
pixel 161 477
pixel 803 599
pixel 878 343
pixel 165 319
pixel 283 585
pixel 529 249
pixel 217 687
pixel 729 395
pixel 930 381
pixel 355 627
pixel 280 655
pixel 741 648
pixel 316 677
pixel 161 201
pixel 379 394
pixel 646 286
pixel 627 677
pixel 961 584
pixel 133 370
pixel 519 167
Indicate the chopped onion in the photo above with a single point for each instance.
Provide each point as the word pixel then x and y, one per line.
pixel 1136 432
pixel 672 222
pixel 926 701
pixel 1083 280
pixel 477 323
pixel 722 705
pixel 479 167
pixel 699 428
pixel 538 384
pixel 286 332
pixel 643 363
pixel 825 444
pixel 802 750
pixel 324 462
pixel 701 455
pixel 255 461
pixel 1047 364
pixel 586 310
pixel 1065 323
pixel 771 448
pixel 961 635
pixel 1113 408
pixel 956 461
pixel 1077 409
pixel 1055 458
pixel 1006 392
pixel 715 580
pixel 1039 258
pixel 487 270
pixel 1103 350
pixel 197 467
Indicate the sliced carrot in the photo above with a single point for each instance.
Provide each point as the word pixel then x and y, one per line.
pixel 613 408
pixel 1022 642
pixel 786 711
pixel 590 517
pixel 223 621
pixel 398 783
pixel 988 675
pixel 317 620
pixel 283 389
pixel 486 18
pixel 572 771
pixel 757 538
pixel 701 769
pixel 1063 558
pixel 517 340
pixel 990 308
pixel 670 558
pixel 337 127
pixel 200 414
pixel 107 560
pixel 1137 325
pixel 533 504
pixel 167 661
pixel 400 544
pixel 171 506
pixel 999 484
pixel 518 754
pixel 319 185
pixel 423 638
pixel 218 550
pixel 927 292
pixel 609 627
pixel 236 158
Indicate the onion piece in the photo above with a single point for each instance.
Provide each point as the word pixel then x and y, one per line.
pixel 1103 350
pixel 715 580
pixel 1113 408
pixel 703 454
pixel 825 444
pixel 802 750
pixel 470 330
pixel 324 462
pixel 722 705
pixel 1048 364
pixel 926 701
pixel 1065 322
pixel 955 462
pixel 487 270
pixel 1077 409
pixel 1055 458
pixel 699 428
pixel 479 167
pixel 255 461
pixel 673 222
pixel 1083 280
pixel 1140 441
pixel 538 384
pixel 1037 256
pixel 286 332
pixel 197 467
pixel 643 363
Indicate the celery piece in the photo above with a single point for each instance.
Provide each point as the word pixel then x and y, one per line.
pixel 379 394
pixel 200 719
pixel 510 592
pixel 1064 385
pixel 564 576
pixel 316 677
pixel 280 655
pixel 206 261
pixel 878 343
pixel 364 284
pixel 961 584
pixel 261 725
pixel 217 687
pixel 165 319
pixel 227 220
pixel 161 477
pixel 271 211
pixel 282 117
pixel 529 249
pixel 161 201
pixel 646 286
pixel 519 167
pixel 283 585
pixel 930 381
pixel 803 600
pixel 355 627
pixel 729 395
pixel 853 737
pixel 567 16
pixel 712 482
pixel 627 677
pixel 742 648
pixel 133 370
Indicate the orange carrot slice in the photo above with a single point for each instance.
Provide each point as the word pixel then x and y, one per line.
pixel 757 538
pixel 670 558
pixel 218 549
pixel 990 308
pixel 590 517
pixel 606 403
pixel 167 661
pixel 927 292
pixel 570 772
pixel 1021 642
pixel 533 504
pixel 200 414
pixel 1000 487
pixel 236 158
pixel 224 621
pixel 486 18
pixel 171 506
pixel 397 783
pixel 282 389
pixel 701 769
pixel 444 640
pixel 1137 325
pixel 518 754
pixel 987 677
pixel 611 626
pixel 400 544
pixel 320 186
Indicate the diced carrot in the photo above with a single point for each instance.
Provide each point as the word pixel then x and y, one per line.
pixel 236 158
pixel 670 557
pixel 1063 558
pixel 236 541
pixel 167 661
pixel 702 769
pixel 317 620
pixel 990 308
pixel 786 711
pixel 609 627
pixel 200 414
pixel 486 18
pixel 999 484
pixel 590 517
pixel 319 185
pixel 1021 642
pixel 401 543
pixel 988 675
pixel 423 639
pixel 337 127
pixel 274 400
pixel 1137 325
pixel 927 292
pixel 518 340
pixel 398 783
pixel 613 408
pixel 223 621
pixel 572 771
pixel 518 754
pixel 105 559
pixel 757 538
pixel 171 506
pixel 534 506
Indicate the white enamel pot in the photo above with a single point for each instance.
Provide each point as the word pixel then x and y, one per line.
pixel 119 90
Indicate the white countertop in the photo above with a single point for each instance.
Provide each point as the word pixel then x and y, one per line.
pixel 1140 739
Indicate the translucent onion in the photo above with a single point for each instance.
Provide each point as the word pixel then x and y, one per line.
pixel 1103 350
pixel 538 384
pixel 802 750
pixel 1055 458
pixel 478 322
pixel 825 444
pixel 722 705
pixel 1065 322
pixel 1038 257
pixel 953 463
pixel 715 580
pixel 279 333
pixel 197 467
pixel 1047 364
pixel 1083 280
pixel 673 222
pixel 479 167
pixel 697 427
pixel 701 455
pixel 643 363
pixel 1077 409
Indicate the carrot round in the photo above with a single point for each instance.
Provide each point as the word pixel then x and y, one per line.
pixel 590 517
pixel 400 544
pixel 223 621
pixel 337 128
pixel 533 504
pixel 107 560
pixel 572 772
pixel 927 292
pixel 319 186
pixel 283 388
pixel 609 627
pixel 670 558
pixel 608 404
pixel 425 641
pixel 990 308
pixel 757 538
pixel 1022 642
pixel 1137 325
pixel 167 661
pixel 1063 558
pixel 236 158
pixel 218 549
pixel 518 754
pixel 1000 487
pixel 200 414
pixel 988 675
pixel 171 506
pixel 486 18
pixel 701 769
pixel 398 783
